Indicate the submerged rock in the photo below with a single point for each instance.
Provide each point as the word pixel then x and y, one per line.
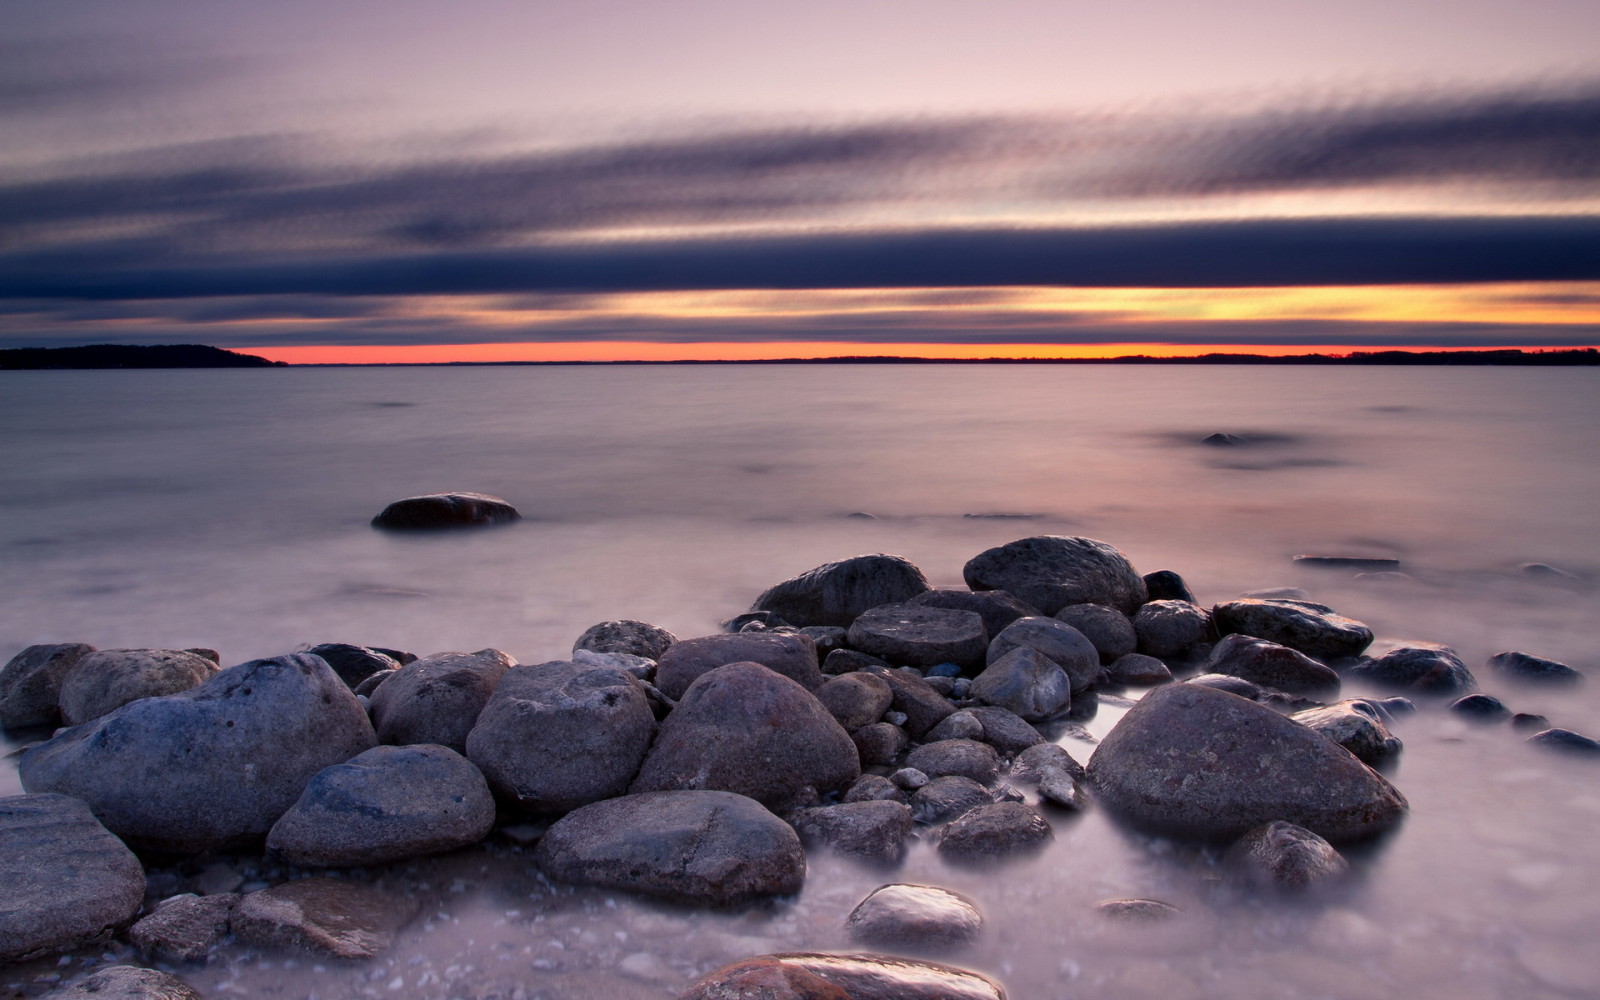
pixel 994 832
pixel 1285 856
pixel 1357 725
pixel 701 847
pixel 837 593
pixel 840 977
pixel 1192 762
pixel 875 830
pixel 788 654
pixel 1423 669
pixel 107 679
pixel 184 928
pixel 924 917
pixel 1136 910
pixel 1566 741
pixel 1528 668
pixel 323 915
pixel 1313 629
pixel 125 982
pixel 1481 708
pixel 437 699
pixel 920 636
pixel 30 683
pixel 626 636
pixel 445 510
pixel 1053 571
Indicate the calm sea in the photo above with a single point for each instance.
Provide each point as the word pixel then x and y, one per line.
pixel 229 509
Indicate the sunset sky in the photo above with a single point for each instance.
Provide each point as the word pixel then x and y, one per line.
pixel 353 180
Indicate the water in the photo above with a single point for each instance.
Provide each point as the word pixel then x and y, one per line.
pixel 229 509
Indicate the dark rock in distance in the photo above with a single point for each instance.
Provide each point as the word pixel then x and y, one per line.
pixel 1378 563
pixel 1313 629
pixel 1566 741
pixel 1165 585
pixel 626 636
pixel 1428 669
pixel 30 683
pixel 837 593
pixel 791 655
pixel 1052 571
pixel 445 510
pixel 920 636
pixel 840 977
pixel 1136 910
pixel 1481 708
pixel 1516 666
pixel 915 916
pixel 324 916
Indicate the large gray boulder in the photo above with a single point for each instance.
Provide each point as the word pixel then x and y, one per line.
pixel 1197 763
pixel 793 656
pixel 1053 571
pixel 437 699
pixel 30 683
pixel 704 847
pixel 1423 669
pixel 1056 641
pixel 65 880
pixel 387 804
pixel 1314 629
pixel 445 510
pixel 919 636
pixel 561 735
pixel 837 592
pixel 1025 682
pixel 1272 665
pixel 107 679
pixel 213 767
pixel 626 636
pixel 742 728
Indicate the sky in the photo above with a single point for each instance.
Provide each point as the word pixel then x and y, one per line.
pixel 364 181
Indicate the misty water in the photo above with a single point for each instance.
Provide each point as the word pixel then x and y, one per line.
pixel 229 509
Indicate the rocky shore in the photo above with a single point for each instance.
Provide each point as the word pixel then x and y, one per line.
pixel 851 710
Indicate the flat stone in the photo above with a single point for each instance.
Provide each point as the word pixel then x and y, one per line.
pixel 434 511
pixel 107 679
pixel 920 636
pixel 437 699
pixel 125 982
pixel 915 916
pixel 324 916
pixel 788 654
pixel 1424 669
pixel 30 683
pixel 874 831
pixel 1136 910
pixel 184 928
pixel 1314 629
pixel 836 593
pixel 994 832
pixel 1052 571
pixel 841 977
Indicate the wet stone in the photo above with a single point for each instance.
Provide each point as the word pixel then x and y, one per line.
pixel 30 683
pixel 1313 629
pixel 994 832
pixel 924 917
pixel 1168 629
pixel 1052 571
pixel 1055 640
pixel 875 832
pixel 874 787
pixel 324 916
pixel 1566 741
pixel 922 706
pixel 625 636
pixel 909 778
pixel 1425 669
pixel 437 699
pixel 837 593
pixel 967 758
pixel 1237 686
pixel 184 928
pixel 1138 670
pixel 353 664
pixel 1107 629
pixel 1357 725
pixel 445 510
pixel 841 977
pixel 963 725
pixel 1060 789
pixel 1165 585
pixel 107 679
pixel 788 654
pixel 1285 856
pixel 921 636
pixel 1524 667
pixel 126 982
pixel 1272 665
pixel 1026 682
pixel 1481 708
pixel 1003 729
pixel 944 799
pixel 1529 722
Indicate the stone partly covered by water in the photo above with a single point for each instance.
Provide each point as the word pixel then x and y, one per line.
pixel 126 982
pixel 841 977
pixel 324 916
pixel 1313 629
pixel 923 917
pixel 445 510
pixel 1053 571
pixel 838 593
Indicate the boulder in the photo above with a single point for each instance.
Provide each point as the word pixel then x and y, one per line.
pixel 920 636
pixel 1052 571
pixel 996 607
pixel 968 758
pixel 837 592
pixel 557 736
pixel 880 743
pixel 743 728
pixel 65 880
pixel 1481 708
pixel 125 982
pixel 1023 681
pixel 874 831
pixel 1357 725
pixel 945 798
pixel 184 928
pixel 1138 670
pixel 1034 763
pixel 1107 629
pixel 1566 741
pixel 445 510
pixel 107 679
pixel 875 787
pixel 437 699
pixel 785 653
pixel 915 916
pixel 354 664
pixel 1055 640
pixel 213 767
pixel 1059 788
pixel 1197 763
pixel 1165 585
pixel 993 832
pixel 1169 629
pixel 1284 856
pixel 324 916
pixel 1272 665
pixel 1524 667
pixel 856 699
pixel 922 706
pixel 963 725
pixel 1004 729
pixel 634 638
pixel 30 683
pixel 840 977
pixel 1423 669
pixel 702 847
pixel 1229 683
pixel 387 804
pixel 1314 629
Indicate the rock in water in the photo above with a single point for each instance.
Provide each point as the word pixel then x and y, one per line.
pixel 742 728
pixel 921 636
pixel 1356 725
pixel 1271 665
pixel 993 832
pixel 841 977
pixel 1422 669
pixel 1109 630
pixel 30 683
pixel 387 804
pixel 1194 762
pixel 65 880
pixel 445 510
pixel 184 928
pixel 125 982
pixel 323 915
pixel 918 916
pixel 793 656
pixel 107 679
pixel 437 699
pixel 1527 667
pixel 836 593
pixel 702 847
pixel 1059 642
pixel 213 767
pixel 1314 629
pixel 1286 856
pixel 562 735
pixel 1053 571
pixel 1025 682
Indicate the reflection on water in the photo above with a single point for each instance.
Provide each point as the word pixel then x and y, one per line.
pixel 229 510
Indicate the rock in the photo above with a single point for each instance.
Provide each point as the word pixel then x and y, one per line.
pixel 1052 571
pixel 387 804
pixel 1192 762
pixel 1549 574
pixel 125 982
pixel 702 847
pixel 65 880
pixel 354 664
pixel 874 788
pixel 1222 439
pixel 1379 563
pixel 993 832
pixel 945 798
pixel 1227 682
pixel 844 661
pixel 1356 725
pixel 625 636
pixel 924 917
pixel 1138 670
pixel 637 667
pixel 837 593
pixel 107 679
pixel 1168 629
pixel 968 758
pixel 1565 740
pixel 756 621
pixel 30 683
pixel 1136 910
pixel 743 728
pixel 1059 788
pixel 1423 669
pixel 874 831
pixel 1272 665
pixel 788 654
pixel 920 636
pixel 908 778
pixel 840 977
pixel 1107 629
pixel 1165 585
pixel 963 725
pixel 323 915
pixel 1314 629
pixel 922 706
pixel 826 638
pixel 996 607
pixel 1481 708
pixel 437 698
pixel 1004 729
pixel 184 928
pixel 445 510
pixel 557 736
pixel 1023 681
pixel 881 743
pixel 1284 856
pixel 213 767
pixel 1529 721
pixel 1055 640
pixel 856 699
pixel 1034 763
pixel 1517 666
